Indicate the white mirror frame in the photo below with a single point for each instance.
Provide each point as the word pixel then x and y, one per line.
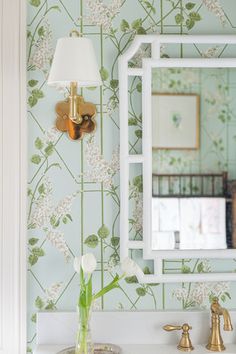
pixel 146 157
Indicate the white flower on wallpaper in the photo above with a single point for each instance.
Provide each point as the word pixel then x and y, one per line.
pixel 64 206
pixel 210 52
pixel 138 213
pixel 44 209
pixel 53 291
pixel 200 294
pixel 58 241
pixel 51 135
pixel 142 52
pixel 47 215
pixel 112 105
pixel 102 14
pixel 43 49
pixel 100 170
pixel 43 206
pixel 215 7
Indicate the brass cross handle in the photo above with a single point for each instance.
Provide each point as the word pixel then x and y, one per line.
pixel 185 344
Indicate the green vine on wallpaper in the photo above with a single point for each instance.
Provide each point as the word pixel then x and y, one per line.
pixel 75 205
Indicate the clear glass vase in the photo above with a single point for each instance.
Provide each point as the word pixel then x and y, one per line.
pixel 84 343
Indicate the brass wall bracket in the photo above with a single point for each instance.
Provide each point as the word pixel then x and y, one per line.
pixel 76 129
pixel 185 344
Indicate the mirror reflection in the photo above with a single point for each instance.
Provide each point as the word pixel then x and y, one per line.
pixel 193 159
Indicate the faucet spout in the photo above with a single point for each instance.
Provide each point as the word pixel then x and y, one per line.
pixel 215 341
pixel 227 320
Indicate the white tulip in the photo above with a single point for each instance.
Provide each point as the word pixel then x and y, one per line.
pixel 130 268
pixel 77 264
pixel 88 263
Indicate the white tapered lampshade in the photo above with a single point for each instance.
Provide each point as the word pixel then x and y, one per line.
pixel 74 61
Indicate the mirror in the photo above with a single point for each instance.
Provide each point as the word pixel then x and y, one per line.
pixel 193 162
pixel 188 110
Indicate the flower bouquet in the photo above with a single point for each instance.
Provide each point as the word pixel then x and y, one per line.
pixel 85 266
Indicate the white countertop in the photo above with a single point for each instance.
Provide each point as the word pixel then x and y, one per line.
pixel 138 349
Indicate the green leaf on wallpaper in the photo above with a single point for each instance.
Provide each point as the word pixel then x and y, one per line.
pixel 53 220
pixel 115 241
pixel 136 24
pixel 32 83
pixel 124 26
pixel 37 93
pixel 131 280
pixel 36 159
pixel 32 101
pixel 38 143
pixel 190 23
pixel 150 6
pixel 195 16
pixel 103 232
pixel 190 5
pixel 41 31
pixel 33 241
pixel 56 8
pixel 200 267
pixel 50 306
pixel 141 30
pixel 69 217
pixel 91 241
pixel 138 183
pixel 39 303
pixel 104 73
pixel 139 86
pixel 64 220
pixel 146 270
pixel 179 18
pixel 33 259
pixel 185 269
pixel 37 251
pixel 49 149
pixel 35 3
pixel 41 188
pixel 132 121
pixel 228 295
pixel 34 317
pixel 28 34
pixel 114 83
pixel 139 133
pixel 141 291
pixel 91 88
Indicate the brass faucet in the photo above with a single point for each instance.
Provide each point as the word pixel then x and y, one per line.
pixel 185 344
pixel 215 342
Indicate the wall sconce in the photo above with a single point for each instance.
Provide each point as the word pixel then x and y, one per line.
pixel 74 65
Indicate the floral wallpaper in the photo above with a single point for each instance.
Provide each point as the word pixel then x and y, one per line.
pixel 73 187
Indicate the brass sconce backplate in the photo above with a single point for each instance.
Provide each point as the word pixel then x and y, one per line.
pixel 86 113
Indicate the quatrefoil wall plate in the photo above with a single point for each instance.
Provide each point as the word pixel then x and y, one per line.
pixel 75 131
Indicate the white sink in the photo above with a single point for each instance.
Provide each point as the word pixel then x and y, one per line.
pixel 140 349
pixel 135 332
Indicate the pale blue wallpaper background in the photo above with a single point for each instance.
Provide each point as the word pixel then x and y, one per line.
pixel 74 186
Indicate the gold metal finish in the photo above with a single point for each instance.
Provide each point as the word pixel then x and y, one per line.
pixel 185 344
pixel 73 115
pixel 75 33
pixel 215 342
pixel 84 112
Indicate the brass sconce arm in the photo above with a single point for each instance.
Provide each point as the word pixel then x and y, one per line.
pixel 73 114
